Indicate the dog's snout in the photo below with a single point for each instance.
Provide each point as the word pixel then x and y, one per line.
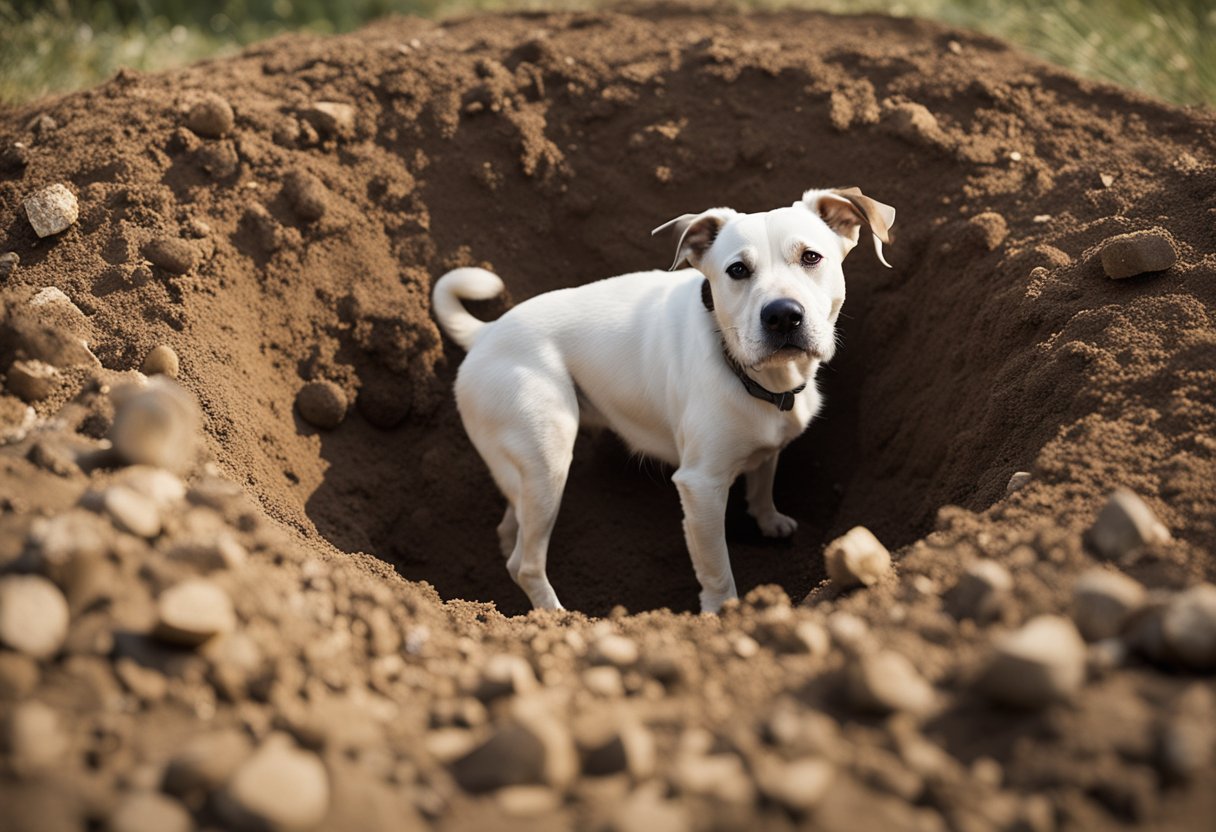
pixel 782 316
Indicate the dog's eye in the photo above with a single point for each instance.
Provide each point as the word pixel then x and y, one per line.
pixel 810 258
pixel 738 271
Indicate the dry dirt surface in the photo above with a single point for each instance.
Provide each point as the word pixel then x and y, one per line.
pixel 268 595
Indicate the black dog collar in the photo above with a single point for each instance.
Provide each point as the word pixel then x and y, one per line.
pixel 782 401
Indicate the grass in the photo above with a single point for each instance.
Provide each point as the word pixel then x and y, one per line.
pixel 1166 48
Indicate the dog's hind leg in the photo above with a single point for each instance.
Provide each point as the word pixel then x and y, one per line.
pixel 760 501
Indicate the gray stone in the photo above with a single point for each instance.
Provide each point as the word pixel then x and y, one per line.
pixel 279 788
pixel 886 682
pixel 980 592
pixel 1103 601
pixel 32 380
pixel 149 812
pixel 1140 252
pixel 161 360
pixel 1041 663
pixel 51 210
pixel 1124 526
pixel 1189 627
pixel 193 611
pixel 856 558
pixel 131 511
pixel 157 425
pixel 322 404
pixel 211 118
pixel 1018 481
pixel 34 615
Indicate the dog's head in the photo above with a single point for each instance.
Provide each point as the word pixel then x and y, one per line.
pixel 775 278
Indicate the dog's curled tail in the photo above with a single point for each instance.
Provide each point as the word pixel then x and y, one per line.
pixel 451 289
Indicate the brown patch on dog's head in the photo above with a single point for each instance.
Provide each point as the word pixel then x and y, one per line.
pixel 697 233
pixel 845 210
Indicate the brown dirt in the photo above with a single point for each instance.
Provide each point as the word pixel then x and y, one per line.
pixel 545 147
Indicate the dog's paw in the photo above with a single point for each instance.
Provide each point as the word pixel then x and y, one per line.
pixel 777 525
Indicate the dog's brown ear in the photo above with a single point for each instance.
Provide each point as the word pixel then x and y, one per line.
pixel 696 233
pixel 845 210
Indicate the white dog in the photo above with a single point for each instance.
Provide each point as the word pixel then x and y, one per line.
pixel 709 368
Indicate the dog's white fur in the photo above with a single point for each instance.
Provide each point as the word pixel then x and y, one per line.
pixel 642 355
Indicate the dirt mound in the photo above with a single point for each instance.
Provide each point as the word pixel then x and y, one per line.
pixel 277 220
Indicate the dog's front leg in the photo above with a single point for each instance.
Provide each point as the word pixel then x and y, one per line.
pixel 760 501
pixel 703 496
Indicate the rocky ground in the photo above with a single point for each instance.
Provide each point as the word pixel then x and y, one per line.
pixel 248 571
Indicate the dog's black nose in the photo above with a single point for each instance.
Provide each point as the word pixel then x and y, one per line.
pixel 782 316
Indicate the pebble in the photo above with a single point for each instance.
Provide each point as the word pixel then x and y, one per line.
pixel 532 747
pixel 720 776
pixel 161 360
pixel 913 122
pixel 193 611
pixel 1140 252
pixel 1103 601
pixel 150 812
pixel 52 209
pixel 331 118
pixel 306 194
pixel 856 558
pixel 156 425
pixel 322 404
pixel 616 747
pixel 1189 627
pixel 1017 481
pixel 205 763
pixel 211 118
pixel 1041 663
pixel 813 637
pixel 131 511
pixel 505 674
pixel 616 650
pixel 848 632
pixel 9 261
pixel 161 487
pixel 35 741
pixel 280 788
pixel 527 801
pixel 1125 525
pixel 980 592
pixel 604 681
pixel 1106 179
pixel 33 615
pixel 32 380
pixel 797 785
pixel 887 682
pixel 173 254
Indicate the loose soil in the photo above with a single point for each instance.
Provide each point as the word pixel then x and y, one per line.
pixel 300 243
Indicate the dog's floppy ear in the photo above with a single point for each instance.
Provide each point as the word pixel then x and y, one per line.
pixel 845 210
pixel 697 233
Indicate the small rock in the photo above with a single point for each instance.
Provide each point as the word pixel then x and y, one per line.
pixel 174 255
pixel 9 261
pixel 720 776
pixel 856 558
pixel 1106 179
pixel 131 511
pixel 797 785
pixel 1189 627
pixel 211 118
pixel 156 424
pixel 331 119
pixel 616 747
pixel 980 592
pixel 32 380
pixel 1017 481
pixel 193 611
pixel 848 632
pixel 1103 601
pixel 527 801
pixel 505 675
pixel 51 210
pixel 1105 656
pixel 1138 253
pixel 306 195
pixel 150 812
pixel 279 788
pixel 886 682
pixel 615 650
pixel 448 744
pixel 1041 663
pixel 162 488
pixel 1124 526
pixel 34 615
pixel 913 122
pixel 535 750
pixel 35 741
pixel 206 762
pixel 604 680
pixel 986 230
pixel 161 360
pixel 322 404
pixel 813 637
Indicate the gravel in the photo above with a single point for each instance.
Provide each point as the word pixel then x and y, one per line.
pixel 51 210
pixel 34 615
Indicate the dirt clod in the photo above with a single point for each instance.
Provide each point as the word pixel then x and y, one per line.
pixel 32 380
pixel 887 682
pixel 193 611
pixel 332 119
pixel 1103 601
pixel 1140 252
pixel 280 788
pixel 173 254
pixel 156 425
pixel 161 360
pixel 51 210
pixel 33 615
pixel 322 404
pixel 306 194
pixel 211 118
